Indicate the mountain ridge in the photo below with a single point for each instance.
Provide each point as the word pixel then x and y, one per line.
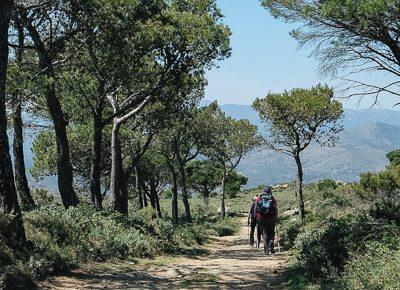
pixel 367 136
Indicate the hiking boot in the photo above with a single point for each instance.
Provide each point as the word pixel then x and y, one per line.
pixel 266 250
pixel 271 247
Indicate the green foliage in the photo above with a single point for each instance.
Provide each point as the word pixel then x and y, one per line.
pixel 234 183
pixel 290 231
pixel 326 185
pixel 62 239
pixel 45 152
pixel 394 157
pixel 387 210
pixel 42 197
pixel 377 268
pixel 231 139
pixel 309 114
pixel 349 35
pixel 384 182
pixel 225 227
pixel 203 176
pixel 334 246
pixel 325 249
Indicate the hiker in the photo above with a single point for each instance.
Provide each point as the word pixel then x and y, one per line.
pixel 252 221
pixel 267 217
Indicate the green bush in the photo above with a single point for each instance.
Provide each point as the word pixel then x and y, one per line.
pixel 290 232
pixel 383 182
pixel 42 197
pixel 377 268
pixel 84 233
pixel 225 227
pixel 327 187
pixel 324 250
pixel 61 239
pixel 388 210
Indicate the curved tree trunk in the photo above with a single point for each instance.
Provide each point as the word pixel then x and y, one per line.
pixel 8 194
pixel 21 181
pixel 299 187
pixel 60 120
pixel 64 167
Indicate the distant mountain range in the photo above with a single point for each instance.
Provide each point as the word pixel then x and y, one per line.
pixel 368 136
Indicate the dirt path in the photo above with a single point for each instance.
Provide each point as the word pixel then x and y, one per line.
pixel 229 263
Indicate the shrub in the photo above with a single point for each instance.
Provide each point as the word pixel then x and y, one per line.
pixel 383 182
pixel 324 250
pixel 327 186
pixel 225 227
pixel 84 233
pixel 42 197
pixel 61 239
pixel 290 231
pixel 388 210
pixel 377 268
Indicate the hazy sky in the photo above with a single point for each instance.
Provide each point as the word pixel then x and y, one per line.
pixel 265 58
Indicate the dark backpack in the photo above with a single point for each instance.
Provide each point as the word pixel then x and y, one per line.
pixel 266 205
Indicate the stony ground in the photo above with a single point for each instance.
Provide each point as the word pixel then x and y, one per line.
pixel 228 262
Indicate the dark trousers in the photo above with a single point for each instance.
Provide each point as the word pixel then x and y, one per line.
pixel 266 228
pixel 253 225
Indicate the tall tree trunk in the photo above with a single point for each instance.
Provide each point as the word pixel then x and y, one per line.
pixel 175 213
pixel 185 198
pixel 153 194
pixel 8 194
pixel 138 187
pixel 223 193
pixel 95 169
pixel 145 203
pixel 21 181
pixel 60 120
pixel 124 188
pixel 299 187
pixel 158 207
pixel 64 167
pixel 119 200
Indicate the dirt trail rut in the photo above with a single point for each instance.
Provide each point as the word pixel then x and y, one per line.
pixel 229 263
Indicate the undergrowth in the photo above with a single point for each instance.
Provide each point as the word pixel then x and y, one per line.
pixel 350 239
pixel 60 239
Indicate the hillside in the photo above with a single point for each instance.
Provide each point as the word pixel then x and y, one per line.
pixel 367 137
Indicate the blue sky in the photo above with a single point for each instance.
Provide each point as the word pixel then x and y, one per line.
pixel 265 58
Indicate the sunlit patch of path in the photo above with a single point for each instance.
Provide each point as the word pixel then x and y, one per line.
pixel 229 263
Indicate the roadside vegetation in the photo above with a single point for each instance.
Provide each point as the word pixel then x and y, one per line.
pixel 60 240
pixel 350 238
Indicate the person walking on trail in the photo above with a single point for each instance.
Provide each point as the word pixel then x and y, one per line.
pixel 267 217
pixel 252 220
